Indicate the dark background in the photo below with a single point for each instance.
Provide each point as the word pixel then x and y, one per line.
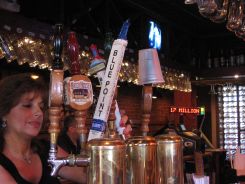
pixel 187 34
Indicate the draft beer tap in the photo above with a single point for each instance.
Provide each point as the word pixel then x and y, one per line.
pixel 55 92
pixel 141 150
pixel 79 89
pixel 79 93
pixel 107 165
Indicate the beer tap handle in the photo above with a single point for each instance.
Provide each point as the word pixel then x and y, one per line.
pixel 73 52
pixel 58 47
pixel 56 91
pixel 80 98
pixel 80 93
pixel 54 129
pixel 109 84
pixel 146 108
pixel 80 117
pixel 57 73
pixel 149 73
pixel 98 64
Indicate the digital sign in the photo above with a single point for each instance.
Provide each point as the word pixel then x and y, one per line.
pixel 188 110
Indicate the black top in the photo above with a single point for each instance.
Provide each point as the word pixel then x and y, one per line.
pixel 46 170
pixel 65 143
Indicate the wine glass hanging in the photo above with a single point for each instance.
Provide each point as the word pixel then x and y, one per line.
pixel 37 52
pixel 219 11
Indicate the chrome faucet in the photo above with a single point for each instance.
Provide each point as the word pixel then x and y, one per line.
pixel 71 160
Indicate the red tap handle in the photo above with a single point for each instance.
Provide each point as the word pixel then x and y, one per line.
pixel 73 52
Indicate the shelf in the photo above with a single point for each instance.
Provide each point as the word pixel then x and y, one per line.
pixel 219 76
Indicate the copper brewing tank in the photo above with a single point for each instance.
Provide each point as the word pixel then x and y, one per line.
pixel 107 164
pixel 140 160
pixel 169 160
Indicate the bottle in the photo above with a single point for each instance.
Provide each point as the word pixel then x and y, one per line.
pixel 209 60
pixel 108 43
pixel 227 58
pixel 6 50
pixel 1 53
pixel 239 59
pixel 232 59
pixel 193 62
pixel 216 61
pixel 222 58
pixel 242 60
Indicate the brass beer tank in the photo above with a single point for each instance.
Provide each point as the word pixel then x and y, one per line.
pixel 169 160
pixel 140 160
pixel 107 165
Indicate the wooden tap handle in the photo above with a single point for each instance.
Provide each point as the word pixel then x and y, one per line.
pixel 80 117
pixel 79 93
pixel 57 73
pixel 73 52
pixel 54 127
pixel 56 88
pixel 58 47
pixel 146 108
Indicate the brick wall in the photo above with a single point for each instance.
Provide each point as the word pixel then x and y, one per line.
pixel 183 99
pixel 129 98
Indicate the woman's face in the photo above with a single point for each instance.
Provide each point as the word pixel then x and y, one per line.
pixel 26 117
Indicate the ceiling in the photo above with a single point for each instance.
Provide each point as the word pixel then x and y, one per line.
pixel 187 33
pixel 98 16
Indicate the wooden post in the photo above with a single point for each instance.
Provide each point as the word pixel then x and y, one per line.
pixel 146 108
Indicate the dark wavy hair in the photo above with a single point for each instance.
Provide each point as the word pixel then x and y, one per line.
pixel 12 88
